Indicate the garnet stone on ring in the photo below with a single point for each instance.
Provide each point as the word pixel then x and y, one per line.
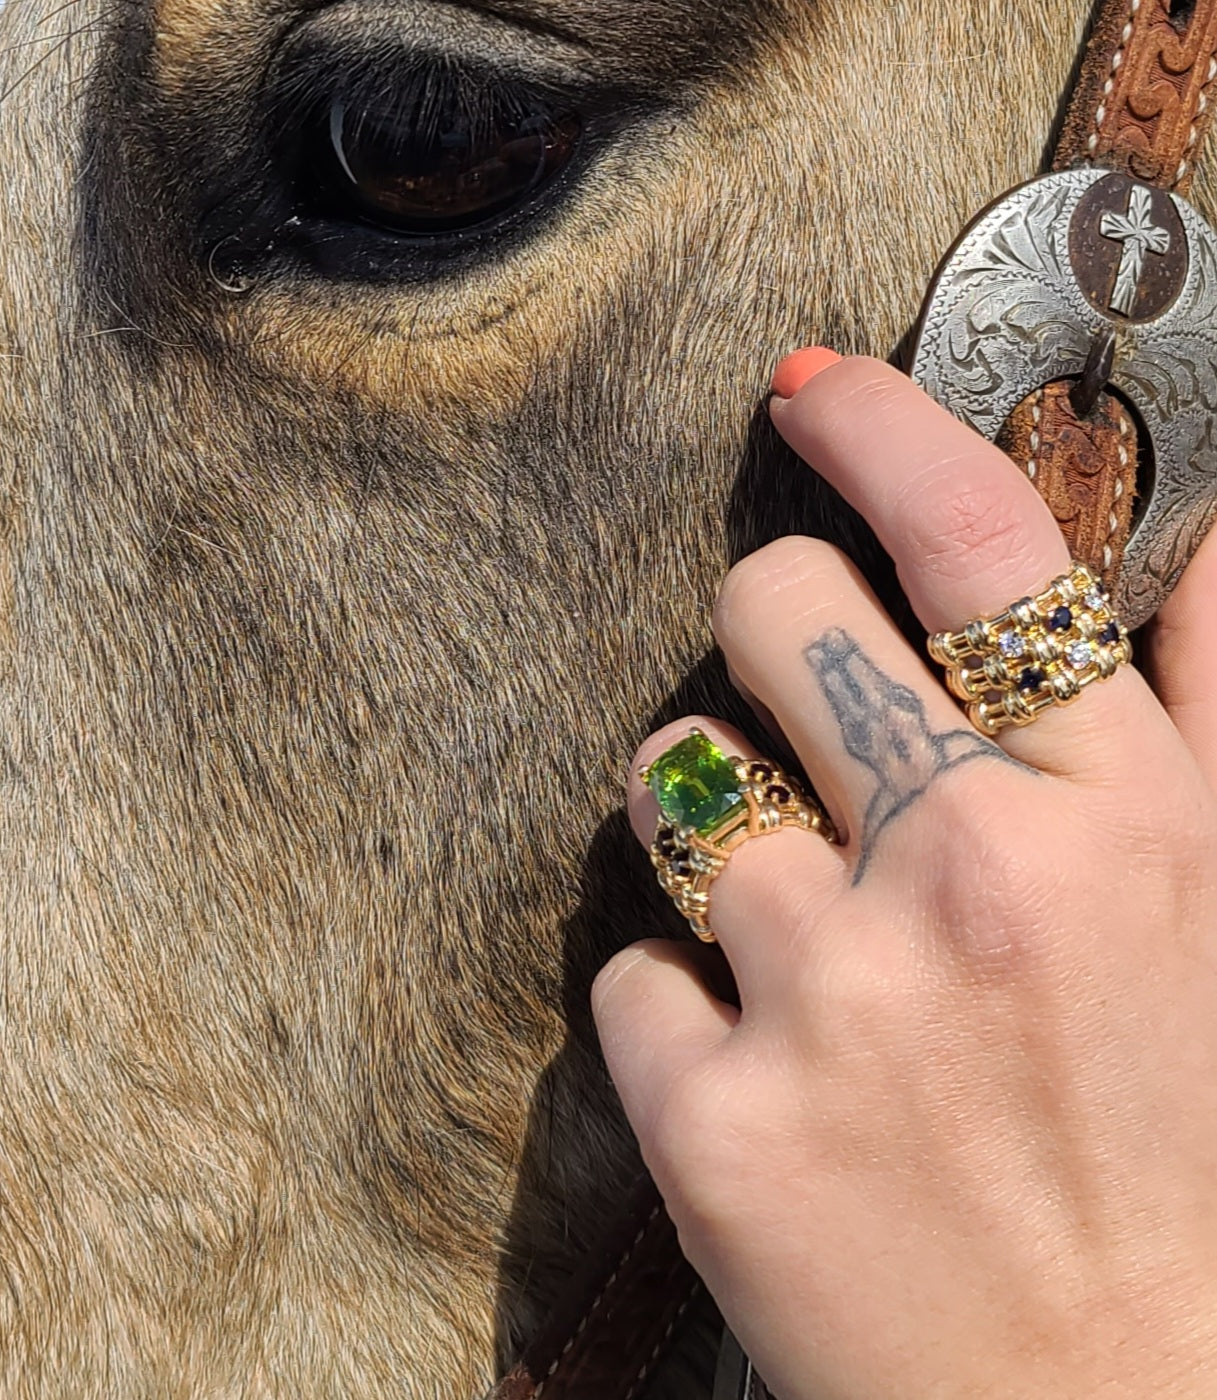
pixel 709 804
pixel 1041 651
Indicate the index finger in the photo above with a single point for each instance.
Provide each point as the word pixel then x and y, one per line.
pixel 968 533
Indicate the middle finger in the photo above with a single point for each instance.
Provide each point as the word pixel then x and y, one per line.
pixel 806 638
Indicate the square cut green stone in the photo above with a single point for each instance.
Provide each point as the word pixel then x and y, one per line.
pixel 695 785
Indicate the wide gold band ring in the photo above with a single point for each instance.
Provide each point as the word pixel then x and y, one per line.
pixel 1040 652
pixel 709 805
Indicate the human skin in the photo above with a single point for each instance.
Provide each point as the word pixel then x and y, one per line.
pixel 959 1135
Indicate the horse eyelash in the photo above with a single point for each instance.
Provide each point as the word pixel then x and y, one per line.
pixel 425 94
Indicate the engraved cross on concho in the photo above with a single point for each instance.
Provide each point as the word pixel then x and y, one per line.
pixel 1140 235
pixel 1028 292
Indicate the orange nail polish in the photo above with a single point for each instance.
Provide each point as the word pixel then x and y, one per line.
pixel 795 370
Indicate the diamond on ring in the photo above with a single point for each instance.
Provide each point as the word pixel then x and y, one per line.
pixel 1079 654
pixel 1068 634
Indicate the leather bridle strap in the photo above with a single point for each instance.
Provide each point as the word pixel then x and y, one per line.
pixel 1142 105
pixel 618 1315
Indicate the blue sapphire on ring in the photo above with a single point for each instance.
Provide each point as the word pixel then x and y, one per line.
pixel 1040 652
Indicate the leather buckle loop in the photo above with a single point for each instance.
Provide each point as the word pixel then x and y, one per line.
pixel 1080 259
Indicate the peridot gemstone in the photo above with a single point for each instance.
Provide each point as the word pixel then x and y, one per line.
pixel 695 785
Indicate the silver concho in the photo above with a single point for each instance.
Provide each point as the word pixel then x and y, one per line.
pixel 1040 277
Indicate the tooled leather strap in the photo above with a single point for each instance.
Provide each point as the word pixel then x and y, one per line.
pixel 1143 100
pixel 618 1316
pixel 1142 105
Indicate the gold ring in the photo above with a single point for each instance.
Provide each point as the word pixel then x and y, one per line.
pixel 1041 651
pixel 710 804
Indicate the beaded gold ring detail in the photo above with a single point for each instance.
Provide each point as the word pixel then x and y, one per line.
pixel 709 805
pixel 1041 651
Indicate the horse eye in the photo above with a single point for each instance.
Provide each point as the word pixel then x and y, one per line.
pixel 442 162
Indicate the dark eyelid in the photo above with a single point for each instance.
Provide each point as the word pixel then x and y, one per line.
pixel 371 49
pixel 517 18
pixel 380 31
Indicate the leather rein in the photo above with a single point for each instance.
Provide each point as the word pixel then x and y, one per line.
pixel 1111 418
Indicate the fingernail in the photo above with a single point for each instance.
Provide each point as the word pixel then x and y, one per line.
pixel 795 370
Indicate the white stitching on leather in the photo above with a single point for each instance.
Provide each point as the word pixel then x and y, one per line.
pixel 596 1301
pixel 1194 132
pixel 1109 85
pixel 659 1346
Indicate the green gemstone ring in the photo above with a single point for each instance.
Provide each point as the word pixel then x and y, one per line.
pixel 709 804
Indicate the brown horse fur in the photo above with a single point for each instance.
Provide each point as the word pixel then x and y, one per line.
pixel 332 605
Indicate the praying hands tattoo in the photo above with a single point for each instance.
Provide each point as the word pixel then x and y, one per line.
pixel 885 727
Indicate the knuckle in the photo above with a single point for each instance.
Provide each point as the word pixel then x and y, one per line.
pixel 1167 838
pixel 794 564
pixel 960 806
pixel 859 994
pixel 1000 891
pixel 1012 892
pixel 685 1141
pixel 620 968
pixel 953 527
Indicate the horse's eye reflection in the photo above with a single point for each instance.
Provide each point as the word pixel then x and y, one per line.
pixel 437 165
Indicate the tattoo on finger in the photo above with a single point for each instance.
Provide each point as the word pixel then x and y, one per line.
pixel 885 727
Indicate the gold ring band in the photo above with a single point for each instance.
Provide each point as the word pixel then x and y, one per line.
pixel 710 804
pixel 1041 651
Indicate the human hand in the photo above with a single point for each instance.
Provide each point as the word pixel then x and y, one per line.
pixel 960 1139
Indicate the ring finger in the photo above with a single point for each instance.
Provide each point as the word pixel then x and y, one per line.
pixel 770 887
